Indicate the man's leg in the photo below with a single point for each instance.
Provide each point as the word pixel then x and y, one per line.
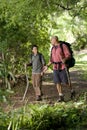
pixel 59 88
pixel 67 78
pixel 41 85
pixel 38 87
pixel 61 96
pixel 73 93
pixel 33 82
pixel 57 81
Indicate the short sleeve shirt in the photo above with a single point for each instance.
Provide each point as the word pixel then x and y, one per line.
pixel 57 55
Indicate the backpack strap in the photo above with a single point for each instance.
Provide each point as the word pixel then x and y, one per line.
pixel 61 46
pixel 51 53
pixel 41 58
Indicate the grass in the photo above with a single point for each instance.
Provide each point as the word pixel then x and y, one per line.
pixel 60 116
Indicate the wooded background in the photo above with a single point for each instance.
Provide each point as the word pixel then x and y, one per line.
pixel 27 22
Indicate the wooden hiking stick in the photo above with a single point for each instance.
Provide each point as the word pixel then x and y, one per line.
pixel 27 83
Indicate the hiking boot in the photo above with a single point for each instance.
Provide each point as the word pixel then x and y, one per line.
pixel 38 98
pixel 73 94
pixel 61 99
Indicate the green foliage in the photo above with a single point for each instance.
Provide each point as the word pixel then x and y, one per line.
pixel 22 26
pixel 4 95
pixel 33 22
pixel 44 117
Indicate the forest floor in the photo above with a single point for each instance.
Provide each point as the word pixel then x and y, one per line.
pixel 50 94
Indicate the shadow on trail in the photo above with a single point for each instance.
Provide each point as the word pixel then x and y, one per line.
pixel 49 90
pixel 78 84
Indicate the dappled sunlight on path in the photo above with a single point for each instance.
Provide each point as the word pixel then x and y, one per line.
pixel 49 90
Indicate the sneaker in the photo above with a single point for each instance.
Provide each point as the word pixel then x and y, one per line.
pixel 73 94
pixel 61 99
pixel 38 98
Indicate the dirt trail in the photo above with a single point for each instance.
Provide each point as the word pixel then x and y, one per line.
pixel 49 90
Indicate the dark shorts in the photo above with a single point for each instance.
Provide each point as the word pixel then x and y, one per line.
pixel 60 76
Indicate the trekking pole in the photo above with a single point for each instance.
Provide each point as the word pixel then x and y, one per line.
pixel 27 83
pixel 67 72
pixel 69 82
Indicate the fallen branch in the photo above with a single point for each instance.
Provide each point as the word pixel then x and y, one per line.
pixel 27 83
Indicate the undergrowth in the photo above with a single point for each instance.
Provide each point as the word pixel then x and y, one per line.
pixel 59 116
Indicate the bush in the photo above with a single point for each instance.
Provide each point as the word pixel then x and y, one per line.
pixel 60 116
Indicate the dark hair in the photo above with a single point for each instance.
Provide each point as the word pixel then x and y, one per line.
pixel 34 46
